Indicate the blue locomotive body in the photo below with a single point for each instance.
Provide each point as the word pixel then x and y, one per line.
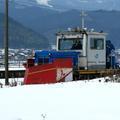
pixel 47 56
pixel 110 55
pixel 91 50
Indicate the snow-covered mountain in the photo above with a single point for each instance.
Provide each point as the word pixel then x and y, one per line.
pixel 44 2
pixel 27 3
pixel 68 4
pixel 86 4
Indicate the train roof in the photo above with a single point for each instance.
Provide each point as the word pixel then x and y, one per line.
pixel 80 31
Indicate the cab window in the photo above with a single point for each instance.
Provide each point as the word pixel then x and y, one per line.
pixel 97 43
pixel 70 44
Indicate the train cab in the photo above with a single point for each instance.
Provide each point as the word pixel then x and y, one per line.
pixel 91 45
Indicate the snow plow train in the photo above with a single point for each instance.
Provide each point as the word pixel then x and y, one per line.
pixel 79 54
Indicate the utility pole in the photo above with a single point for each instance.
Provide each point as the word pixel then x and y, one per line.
pixel 83 15
pixel 6 37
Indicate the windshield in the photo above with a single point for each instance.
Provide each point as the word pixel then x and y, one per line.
pixel 70 44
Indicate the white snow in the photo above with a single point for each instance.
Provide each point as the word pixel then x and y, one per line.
pixel 12 81
pixel 44 2
pixel 12 68
pixel 63 101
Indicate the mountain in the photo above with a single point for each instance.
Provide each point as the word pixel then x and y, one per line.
pixel 86 4
pixel 22 37
pixel 47 20
pixel 67 4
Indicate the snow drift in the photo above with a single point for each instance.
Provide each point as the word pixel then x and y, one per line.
pixel 63 101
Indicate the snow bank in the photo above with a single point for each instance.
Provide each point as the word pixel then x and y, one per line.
pixel 64 101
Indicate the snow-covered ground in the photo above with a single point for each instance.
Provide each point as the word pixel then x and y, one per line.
pixel 13 68
pixel 63 101
pixel 18 81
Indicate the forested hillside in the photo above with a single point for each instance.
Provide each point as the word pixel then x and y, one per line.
pixel 48 22
pixel 22 37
